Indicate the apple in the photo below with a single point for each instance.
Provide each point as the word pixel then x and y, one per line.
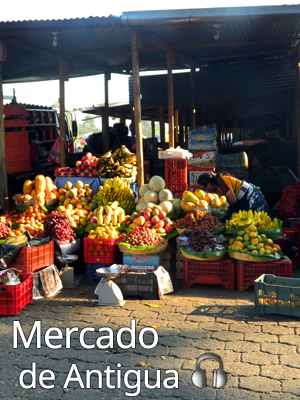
pixel 58 170
pixel 162 214
pixel 167 220
pixel 155 212
pixel 82 167
pixel 90 174
pixel 140 214
pixel 148 209
pixel 78 170
pixel 62 174
pixel 78 163
pixel 147 215
pixel 148 224
pixel 82 174
pixel 168 228
pixel 159 224
pixel 86 170
pixel 87 162
pixel 56 174
pixel 95 171
pixel 160 230
pixel 154 219
pixel 91 167
pixel 89 155
pixel 69 173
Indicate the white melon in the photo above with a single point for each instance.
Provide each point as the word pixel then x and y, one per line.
pixel 157 183
pixel 167 206
pixel 143 189
pixel 165 194
pixel 141 205
pixel 151 196
pixel 176 204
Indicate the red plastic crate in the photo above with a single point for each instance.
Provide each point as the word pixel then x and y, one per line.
pixel 176 174
pixel 290 232
pixel 247 271
pixel 178 195
pixel 30 259
pixel 99 251
pixel 220 272
pixel 14 297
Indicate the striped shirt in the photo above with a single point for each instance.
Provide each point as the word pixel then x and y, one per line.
pixel 225 183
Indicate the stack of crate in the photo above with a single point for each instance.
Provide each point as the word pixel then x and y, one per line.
pixel 16 139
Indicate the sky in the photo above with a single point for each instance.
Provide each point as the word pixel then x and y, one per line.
pixel 85 92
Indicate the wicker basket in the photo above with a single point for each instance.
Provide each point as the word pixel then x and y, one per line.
pixel 247 257
pixel 156 250
pixel 186 255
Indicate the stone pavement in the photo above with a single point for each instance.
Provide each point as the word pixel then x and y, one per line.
pixel 261 355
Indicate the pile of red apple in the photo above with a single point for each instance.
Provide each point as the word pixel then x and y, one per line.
pixel 152 218
pixel 87 166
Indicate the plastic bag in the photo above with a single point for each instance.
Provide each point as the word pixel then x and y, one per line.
pixel 54 156
pixel 8 277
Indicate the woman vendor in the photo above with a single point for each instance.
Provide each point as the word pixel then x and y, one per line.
pixel 240 195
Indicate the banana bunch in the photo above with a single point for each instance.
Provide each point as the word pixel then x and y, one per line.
pixel 120 163
pixel 124 197
pixel 117 183
pixel 20 240
pixel 242 219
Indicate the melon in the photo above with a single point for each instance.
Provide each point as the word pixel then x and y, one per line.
pixel 157 183
pixel 165 194
pixel 144 189
pixel 176 204
pixel 151 196
pixel 141 205
pixel 151 205
pixel 167 206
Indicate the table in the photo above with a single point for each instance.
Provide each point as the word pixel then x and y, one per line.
pixel 94 182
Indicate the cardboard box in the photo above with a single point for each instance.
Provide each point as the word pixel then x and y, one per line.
pixel 167 154
pixel 202 159
pixel 202 134
pixel 193 177
pixel 146 261
pixel 201 145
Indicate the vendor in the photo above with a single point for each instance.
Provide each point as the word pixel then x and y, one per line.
pixel 240 195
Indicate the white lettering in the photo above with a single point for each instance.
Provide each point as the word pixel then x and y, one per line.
pixel 132 333
pixel 43 378
pixel 81 338
pixel 119 376
pixel 155 338
pixel 157 384
pixel 137 385
pixel 31 372
pixel 18 328
pixel 88 378
pixel 110 338
pixel 48 337
pixel 174 378
pixel 75 379
pixel 107 372
pixel 68 336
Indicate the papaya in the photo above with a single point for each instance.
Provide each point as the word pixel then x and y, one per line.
pixel 190 197
pixel 40 184
pixel 190 206
pixel 27 187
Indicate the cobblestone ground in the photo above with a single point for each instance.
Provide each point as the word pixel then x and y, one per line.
pixel 261 355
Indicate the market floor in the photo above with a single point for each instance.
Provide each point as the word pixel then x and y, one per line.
pixel 261 355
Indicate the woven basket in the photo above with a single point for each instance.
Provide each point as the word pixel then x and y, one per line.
pixel 156 250
pixel 179 230
pixel 247 257
pixel 186 255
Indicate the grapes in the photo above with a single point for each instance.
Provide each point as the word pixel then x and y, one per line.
pixel 58 227
pixel 199 239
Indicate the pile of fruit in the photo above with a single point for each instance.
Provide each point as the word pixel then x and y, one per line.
pixel 142 236
pixel 198 218
pixel 152 218
pixel 110 214
pixel 87 166
pixel 5 231
pixel 76 203
pixel 260 219
pixel 31 220
pixel 8 218
pixel 120 163
pixel 116 189
pixel 104 232
pixel 41 191
pixel 203 201
pixel 155 193
pixel 249 241
pixel 200 239
pixel 58 227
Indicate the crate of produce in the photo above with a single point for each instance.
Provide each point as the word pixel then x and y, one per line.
pixel 15 297
pixel 32 258
pixel 176 174
pixel 138 285
pixel 220 272
pixel 99 251
pixel 277 295
pixel 90 274
pixel 248 271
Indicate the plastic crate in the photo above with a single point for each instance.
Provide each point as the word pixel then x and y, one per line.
pixel 176 174
pixel 277 295
pixel 220 272
pixel 99 251
pixel 15 297
pixel 178 195
pixel 290 232
pixel 30 259
pixel 247 271
pixel 138 285
pixel 90 274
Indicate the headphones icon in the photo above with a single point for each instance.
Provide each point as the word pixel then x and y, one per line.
pixel 199 376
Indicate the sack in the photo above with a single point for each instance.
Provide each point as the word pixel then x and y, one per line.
pixel 46 282
pixel 54 156
pixel 164 282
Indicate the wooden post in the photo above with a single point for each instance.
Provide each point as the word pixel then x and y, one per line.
pixel 153 127
pixel 137 110
pixel 193 104
pixel 63 76
pixel 170 99
pixel 4 200
pixel 105 118
pixel 176 127
pixel 297 110
pixel 180 122
pixel 162 124
pixel 185 127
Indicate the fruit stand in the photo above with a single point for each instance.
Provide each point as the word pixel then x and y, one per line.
pixel 168 225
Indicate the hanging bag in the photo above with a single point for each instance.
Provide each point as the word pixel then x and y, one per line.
pixel 54 156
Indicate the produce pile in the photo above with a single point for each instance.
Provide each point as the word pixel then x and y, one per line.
pixel 5 231
pixel 119 163
pixel 41 191
pixel 116 189
pixel 104 232
pixel 201 240
pixel 87 166
pixel 109 215
pixel 249 241
pixel 31 220
pixel 152 218
pixel 142 236
pixel 203 201
pixel 198 218
pixel 58 227
pixel 260 219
